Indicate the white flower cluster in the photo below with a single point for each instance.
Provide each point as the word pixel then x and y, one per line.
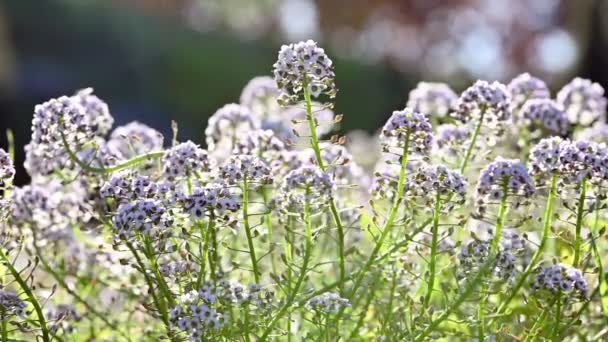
pixel 79 119
pixel 526 87
pixel 126 187
pixel 341 167
pixel 213 198
pixel 300 65
pixel 451 137
pixel 307 184
pixel 546 115
pixel 195 317
pixel 561 278
pixel 545 157
pixel 502 175
pixel 261 143
pixel 597 133
pixel 134 139
pixel 582 159
pixel 11 305
pixel 260 95
pixel 144 216
pixel 186 159
pixel 488 99
pixel 7 170
pixel 236 168
pixel 225 127
pixel 432 180
pixel 329 303
pixel 408 127
pixel 583 100
pixel 432 99
pixel 62 318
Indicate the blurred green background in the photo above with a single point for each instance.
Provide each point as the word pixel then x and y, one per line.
pixel 162 60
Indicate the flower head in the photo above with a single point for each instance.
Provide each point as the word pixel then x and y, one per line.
pixel 408 127
pixel 597 133
pixel 490 100
pixel 261 143
pixel 430 181
pixel 236 168
pixel 185 159
pixel 451 137
pixel 583 100
pixel 226 125
pixel 526 87
pixel 143 216
pixel 329 302
pixel 134 139
pixel 214 198
pixel 545 156
pixel 7 170
pixel 503 177
pixel 432 99
pixel 561 278
pixel 300 65
pixel 544 114
pixel 11 305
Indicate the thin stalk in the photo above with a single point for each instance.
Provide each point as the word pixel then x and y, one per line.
pixel 580 208
pixel 202 251
pixel 500 222
pixel 125 165
pixel 254 260
pixel 268 224
pixel 388 224
pixel 467 156
pixel 368 301
pixel 558 316
pixel 547 219
pixel 4 328
pixel 468 290
pixel 389 310
pixel 300 280
pixel 539 321
pixel 164 288
pixel 26 289
pixel 314 141
pixel 434 242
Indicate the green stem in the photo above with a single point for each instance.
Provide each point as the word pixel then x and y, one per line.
pixel 467 156
pixel 536 326
pixel 547 219
pixel 125 165
pixel 314 141
pixel 254 260
pixel 558 316
pixel 149 253
pixel 434 242
pixel 26 289
pixel 203 252
pixel 580 208
pixel 389 310
pixel 303 271
pixel 4 328
pixel 389 222
pixel 500 222
pixel 268 224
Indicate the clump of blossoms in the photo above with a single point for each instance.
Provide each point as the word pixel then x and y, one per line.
pixel 134 139
pixel 11 305
pixel 561 278
pixel 226 125
pixel 451 137
pixel 544 115
pixel 77 120
pixel 430 181
pixel 597 133
pixel 524 88
pixel 581 160
pixel 263 144
pixel 329 303
pixel 432 99
pixel 194 316
pixel 483 100
pixel 62 318
pixel 145 217
pixel 301 66
pixel 211 199
pixel 583 101
pixel 7 173
pixel 502 178
pixel 185 160
pixel 406 128
pixel 305 184
pixel 236 168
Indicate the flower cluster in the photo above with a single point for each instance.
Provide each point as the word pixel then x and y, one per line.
pixel 526 87
pixel 451 136
pixel 597 133
pixel 561 278
pixel 7 170
pixel 194 316
pixel 62 318
pixel 261 143
pixel 307 184
pixel 214 198
pixel 329 303
pixel 236 168
pixel 186 159
pixel 11 305
pixel 134 139
pixel 226 125
pixel 430 181
pixel 303 65
pixel 545 157
pixel 144 216
pixel 432 99
pixel 503 177
pixel 406 127
pixel 583 100
pixel 546 115
pixel 482 99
